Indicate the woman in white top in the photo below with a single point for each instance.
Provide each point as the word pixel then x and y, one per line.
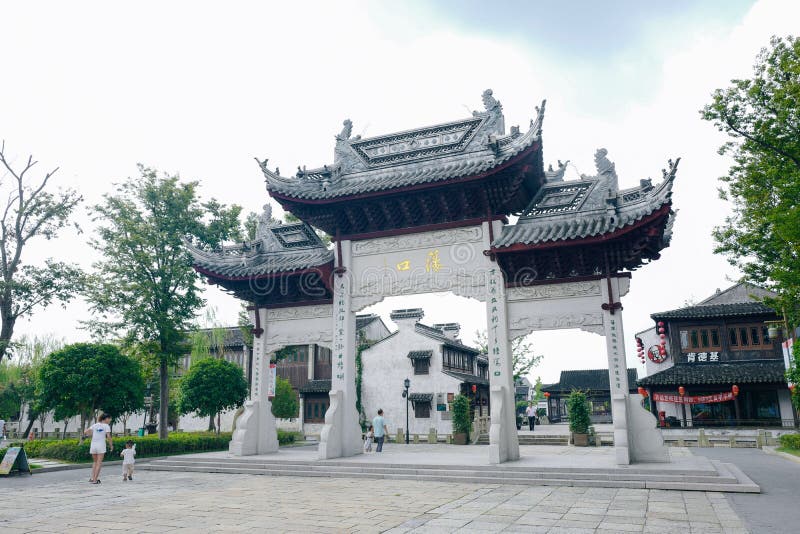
pixel 101 433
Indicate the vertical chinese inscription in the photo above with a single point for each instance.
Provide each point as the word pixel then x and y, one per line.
pixel 339 312
pixel 615 356
pixel 493 299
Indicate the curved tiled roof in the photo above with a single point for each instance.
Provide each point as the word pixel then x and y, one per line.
pixel 708 311
pixel 280 248
pixel 589 207
pixel 752 372
pixel 587 380
pixel 315 386
pixel 478 146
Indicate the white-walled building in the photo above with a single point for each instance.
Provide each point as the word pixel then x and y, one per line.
pixel 438 366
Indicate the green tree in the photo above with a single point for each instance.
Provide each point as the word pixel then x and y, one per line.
pixel 145 288
pixel 84 377
pixel 539 395
pixel 285 404
pixel 32 211
pixel 761 115
pixel 522 356
pixel 30 352
pixel 212 386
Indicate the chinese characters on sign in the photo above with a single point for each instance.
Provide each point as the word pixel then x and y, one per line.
pixel 694 357
pixel 615 358
pixel 340 311
pixel 273 374
pixel 432 263
pixel 495 356
pixel 697 399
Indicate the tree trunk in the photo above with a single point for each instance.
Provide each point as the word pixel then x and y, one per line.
pixel 211 422
pixel 64 435
pixel 28 429
pixel 163 404
pixel 7 329
pixel 218 424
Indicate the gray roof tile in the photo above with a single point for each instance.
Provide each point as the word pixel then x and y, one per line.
pixel 587 379
pixel 423 155
pixel 591 206
pixel 278 248
pixel 747 372
pixel 709 311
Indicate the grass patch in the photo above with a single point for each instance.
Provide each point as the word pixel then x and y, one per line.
pixel 34 466
pixel 787 450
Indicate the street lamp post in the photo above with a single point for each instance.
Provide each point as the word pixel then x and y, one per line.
pixel 406 385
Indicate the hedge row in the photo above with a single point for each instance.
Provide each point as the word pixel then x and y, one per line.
pixel 71 450
pixel 790 441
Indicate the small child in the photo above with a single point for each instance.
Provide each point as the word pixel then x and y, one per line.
pixel 368 439
pixel 128 460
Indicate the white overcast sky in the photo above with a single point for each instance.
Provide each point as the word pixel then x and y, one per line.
pixel 199 88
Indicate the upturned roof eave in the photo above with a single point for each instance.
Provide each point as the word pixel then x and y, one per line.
pixel 592 239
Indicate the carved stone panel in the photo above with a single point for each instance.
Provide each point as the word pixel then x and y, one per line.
pixel 429 262
pixel 555 291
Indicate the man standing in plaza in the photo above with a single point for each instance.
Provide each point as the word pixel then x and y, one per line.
pixel 530 412
pixel 380 430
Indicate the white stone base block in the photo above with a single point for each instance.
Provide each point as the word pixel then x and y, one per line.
pixel 645 441
pixel 255 431
pixel 341 435
pixel 503 440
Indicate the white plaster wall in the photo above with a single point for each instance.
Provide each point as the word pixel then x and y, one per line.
pixel 650 338
pixel 785 404
pixel 386 365
pixel 191 423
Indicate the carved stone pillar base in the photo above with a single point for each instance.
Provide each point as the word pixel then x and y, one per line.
pixel 645 441
pixel 503 441
pixel 341 435
pixel 619 410
pixel 255 431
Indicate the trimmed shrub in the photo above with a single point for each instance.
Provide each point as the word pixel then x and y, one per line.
pixel 286 437
pixel 578 412
pixel 790 441
pixel 71 450
pixel 462 424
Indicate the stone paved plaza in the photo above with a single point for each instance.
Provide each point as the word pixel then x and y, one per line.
pixel 200 502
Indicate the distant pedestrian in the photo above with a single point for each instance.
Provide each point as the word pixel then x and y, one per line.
pixel 128 460
pixel 530 412
pixel 380 430
pixel 370 435
pixel 101 433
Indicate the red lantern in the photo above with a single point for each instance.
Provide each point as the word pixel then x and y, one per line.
pixel 662 336
pixel 642 391
pixel 661 330
pixel 791 388
pixel 547 394
pixel 660 323
pixel 681 391
pixel 474 388
pixel 735 390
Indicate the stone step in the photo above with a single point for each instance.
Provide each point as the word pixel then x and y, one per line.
pixel 457 471
pixel 727 477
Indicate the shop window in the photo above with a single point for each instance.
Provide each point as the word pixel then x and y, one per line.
pixel 422 410
pixel 749 337
pixel 705 339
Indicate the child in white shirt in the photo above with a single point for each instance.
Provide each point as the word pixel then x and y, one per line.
pixel 128 460
pixel 368 439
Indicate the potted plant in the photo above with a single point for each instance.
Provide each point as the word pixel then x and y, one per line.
pixel 462 424
pixel 578 412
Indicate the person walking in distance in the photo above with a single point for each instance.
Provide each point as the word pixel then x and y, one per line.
pixel 530 412
pixel 101 433
pixel 379 427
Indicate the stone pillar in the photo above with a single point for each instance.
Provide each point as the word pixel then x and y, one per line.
pixel 636 437
pixel 256 432
pixel 341 435
pixel 503 442
pixel 312 353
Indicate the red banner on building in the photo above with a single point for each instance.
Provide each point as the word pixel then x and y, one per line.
pixel 697 399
